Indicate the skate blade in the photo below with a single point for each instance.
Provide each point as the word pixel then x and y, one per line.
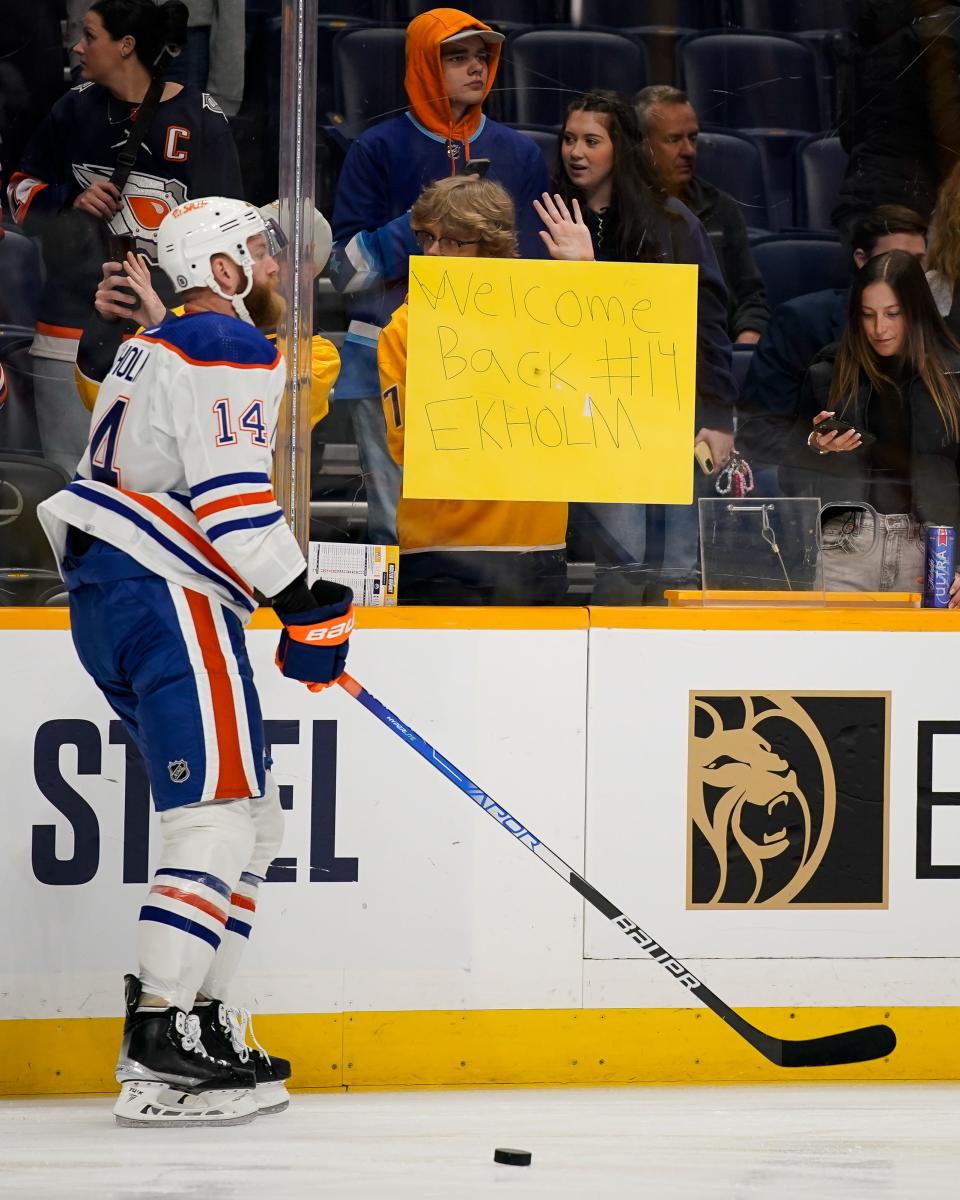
pixel 152 1105
pixel 271 1098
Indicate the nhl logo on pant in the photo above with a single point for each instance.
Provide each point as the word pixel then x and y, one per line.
pixel 179 770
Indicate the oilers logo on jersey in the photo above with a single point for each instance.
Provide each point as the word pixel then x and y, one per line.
pixel 146 201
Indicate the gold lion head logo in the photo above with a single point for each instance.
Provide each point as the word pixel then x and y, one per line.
pixel 747 803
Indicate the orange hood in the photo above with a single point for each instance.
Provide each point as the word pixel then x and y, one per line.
pixel 424 78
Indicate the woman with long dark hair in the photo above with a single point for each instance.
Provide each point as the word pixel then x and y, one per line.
pixel 187 151
pixel 892 383
pixel 610 205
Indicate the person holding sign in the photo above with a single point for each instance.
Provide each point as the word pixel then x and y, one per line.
pixel 611 206
pixel 467 551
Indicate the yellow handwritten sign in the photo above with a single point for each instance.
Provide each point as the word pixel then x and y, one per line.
pixel 533 380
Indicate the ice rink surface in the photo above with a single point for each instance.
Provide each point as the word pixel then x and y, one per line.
pixel 793 1142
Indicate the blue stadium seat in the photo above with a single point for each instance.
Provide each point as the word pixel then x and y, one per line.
pixel 18 420
pixel 821 163
pixel 551 66
pixel 734 163
pixel 503 14
pixel 764 84
pixel 794 16
pixel 751 81
pixel 546 139
pixel 20 277
pixel 794 264
pixel 368 66
pixel 28 570
pixel 629 14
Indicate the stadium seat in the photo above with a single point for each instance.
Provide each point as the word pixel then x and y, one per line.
pixel 821 163
pixel 501 14
pixel 551 66
pixel 763 84
pixel 28 570
pixel 795 16
pixel 368 67
pixel 546 139
pixel 751 81
pixel 20 277
pixel 734 163
pixel 18 421
pixel 658 24
pixel 630 14
pixel 795 264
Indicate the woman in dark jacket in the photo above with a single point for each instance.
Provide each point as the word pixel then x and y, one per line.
pixel 611 206
pixel 893 380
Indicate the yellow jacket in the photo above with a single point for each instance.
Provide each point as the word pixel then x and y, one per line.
pixel 456 524
pixel 324 369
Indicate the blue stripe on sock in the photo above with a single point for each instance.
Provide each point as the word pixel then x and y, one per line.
pixel 210 881
pixel 235 926
pixel 162 917
pixel 249 877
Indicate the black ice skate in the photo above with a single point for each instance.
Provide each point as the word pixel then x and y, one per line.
pixel 169 1077
pixel 224 1032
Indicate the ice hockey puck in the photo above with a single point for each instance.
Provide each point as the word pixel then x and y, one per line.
pixel 513 1158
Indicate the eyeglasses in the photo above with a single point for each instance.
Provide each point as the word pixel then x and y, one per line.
pixel 447 245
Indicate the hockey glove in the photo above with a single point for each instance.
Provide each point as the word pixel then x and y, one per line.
pixel 315 638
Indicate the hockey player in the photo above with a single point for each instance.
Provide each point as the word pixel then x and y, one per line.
pixel 167 529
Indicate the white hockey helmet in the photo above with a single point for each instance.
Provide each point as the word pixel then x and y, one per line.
pixel 191 234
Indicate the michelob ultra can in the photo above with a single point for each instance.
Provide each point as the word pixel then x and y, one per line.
pixel 939 565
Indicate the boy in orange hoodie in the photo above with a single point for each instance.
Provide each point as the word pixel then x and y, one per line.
pixel 452 61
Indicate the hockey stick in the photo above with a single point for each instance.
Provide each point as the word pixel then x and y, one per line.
pixel 855 1045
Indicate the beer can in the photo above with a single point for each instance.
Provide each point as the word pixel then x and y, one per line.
pixel 939 565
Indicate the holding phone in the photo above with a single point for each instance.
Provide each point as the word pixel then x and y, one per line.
pixel 701 452
pixel 832 425
pixel 477 166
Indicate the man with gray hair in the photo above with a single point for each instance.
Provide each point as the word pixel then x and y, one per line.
pixel 670 127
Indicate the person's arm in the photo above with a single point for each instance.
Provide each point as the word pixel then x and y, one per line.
pixel 749 311
pixel 392 363
pixel 716 391
pixel 324 369
pixel 227 37
pixel 42 186
pixel 373 257
pixel 533 182
pixel 361 208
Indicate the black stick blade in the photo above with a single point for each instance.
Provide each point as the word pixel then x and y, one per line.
pixel 856 1045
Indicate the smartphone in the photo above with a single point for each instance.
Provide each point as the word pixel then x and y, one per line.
pixel 832 425
pixel 701 452
pixel 477 166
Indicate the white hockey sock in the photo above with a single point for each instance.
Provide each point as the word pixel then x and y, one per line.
pixel 243 907
pixel 182 923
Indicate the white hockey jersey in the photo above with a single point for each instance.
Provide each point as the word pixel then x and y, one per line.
pixel 178 469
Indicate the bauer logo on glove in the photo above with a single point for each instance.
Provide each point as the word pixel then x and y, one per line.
pixel 315 639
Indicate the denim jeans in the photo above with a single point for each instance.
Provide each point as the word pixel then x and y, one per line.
pixel 855 561
pixel 381 475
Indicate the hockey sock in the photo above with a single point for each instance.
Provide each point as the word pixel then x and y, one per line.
pixel 182 923
pixel 268 822
pixel 236 934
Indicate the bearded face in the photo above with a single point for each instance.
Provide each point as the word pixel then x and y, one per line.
pixel 265 305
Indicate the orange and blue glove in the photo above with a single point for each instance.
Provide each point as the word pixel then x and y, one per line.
pixel 316 634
